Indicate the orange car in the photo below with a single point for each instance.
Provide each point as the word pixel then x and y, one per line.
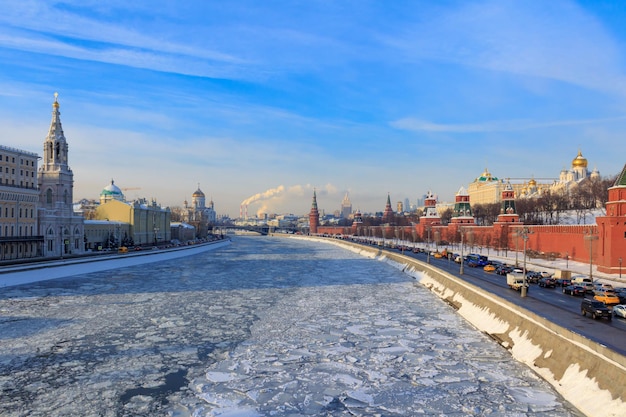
pixel 607 297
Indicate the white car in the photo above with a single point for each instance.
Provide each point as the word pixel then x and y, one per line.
pixel 620 310
pixel 545 274
pixel 601 286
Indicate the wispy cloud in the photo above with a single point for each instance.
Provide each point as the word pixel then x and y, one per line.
pixel 556 40
pixel 417 125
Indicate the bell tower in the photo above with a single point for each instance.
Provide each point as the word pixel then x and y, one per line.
pixel 63 230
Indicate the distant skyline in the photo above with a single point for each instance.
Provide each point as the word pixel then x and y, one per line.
pixel 266 101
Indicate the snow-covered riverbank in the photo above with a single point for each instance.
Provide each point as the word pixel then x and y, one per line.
pixel 28 273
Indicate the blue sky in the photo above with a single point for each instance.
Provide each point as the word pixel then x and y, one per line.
pixel 266 101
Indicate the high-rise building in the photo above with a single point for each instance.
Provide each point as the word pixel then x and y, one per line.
pixel 62 229
pixel 346 207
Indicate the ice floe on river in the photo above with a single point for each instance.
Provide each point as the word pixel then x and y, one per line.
pixel 263 327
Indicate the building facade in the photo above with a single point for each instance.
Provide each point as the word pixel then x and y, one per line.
pixel 62 229
pixel 487 189
pixel 148 223
pixel 19 201
pixel 198 214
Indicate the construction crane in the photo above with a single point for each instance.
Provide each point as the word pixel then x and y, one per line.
pixel 131 188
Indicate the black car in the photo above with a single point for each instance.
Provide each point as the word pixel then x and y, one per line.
pixel 563 282
pixel 595 308
pixel 574 290
pixel 547 282
pixel 503 269
pixel 533 276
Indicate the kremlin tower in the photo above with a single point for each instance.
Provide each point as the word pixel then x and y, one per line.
pixel 612 228
pixel 388 213
pixel 507 209
pixel 462 213
pixel 314 216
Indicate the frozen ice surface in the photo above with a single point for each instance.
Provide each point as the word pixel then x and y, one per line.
pixel 264 327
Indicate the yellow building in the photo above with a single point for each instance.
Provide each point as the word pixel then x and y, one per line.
pixel 106 234
pixel 487 189
pixel 148 223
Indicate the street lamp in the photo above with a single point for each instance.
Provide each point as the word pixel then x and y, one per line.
pixel 523 233
pixel 461 270
pixel 620 267
pixel 428 246
pixel 517 235
pixel 590 237
pixel 566 260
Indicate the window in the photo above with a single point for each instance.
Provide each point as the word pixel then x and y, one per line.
pixel 49 196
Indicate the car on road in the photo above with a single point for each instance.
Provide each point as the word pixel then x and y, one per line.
pixel 588 286
pixel 563 282
pixel 503 269
pixel 489 268
pixel 601 286
pixel 607 297
pixel 620 310
pixel 545 274
pixel 533 276
pixel 574 290
pixel 595 308
pixel 547 282
pixel 621 294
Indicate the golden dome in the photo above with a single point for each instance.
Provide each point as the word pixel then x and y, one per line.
pixel 532 182
pixel 579 161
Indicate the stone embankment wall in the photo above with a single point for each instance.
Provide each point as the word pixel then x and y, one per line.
pixel 587 374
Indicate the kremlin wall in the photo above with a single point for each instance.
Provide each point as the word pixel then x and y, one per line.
pixel 602 244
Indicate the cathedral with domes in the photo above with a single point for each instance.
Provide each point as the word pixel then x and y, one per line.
pixel 198 214
pixel 487 189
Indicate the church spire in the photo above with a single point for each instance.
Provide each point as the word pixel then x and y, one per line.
pixel 55 145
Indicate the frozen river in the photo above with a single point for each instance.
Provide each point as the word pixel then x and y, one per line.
pixel 263 327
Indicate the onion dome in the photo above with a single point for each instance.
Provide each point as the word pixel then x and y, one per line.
pixel 532 183
pixel 111 192
pixel 579 161
pixel 198 193
pixel 111 189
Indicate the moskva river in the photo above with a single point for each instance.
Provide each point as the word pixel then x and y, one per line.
pixel 267 326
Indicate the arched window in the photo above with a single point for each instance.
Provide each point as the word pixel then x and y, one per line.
pixel 65 197
pixel 48 196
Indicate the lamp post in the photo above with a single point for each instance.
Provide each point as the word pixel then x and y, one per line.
pixel 566 260
pixel 461 270
pixel 523 233
pixel 620 267
pixel 428 246
pixel 590 237
pixel 517 235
